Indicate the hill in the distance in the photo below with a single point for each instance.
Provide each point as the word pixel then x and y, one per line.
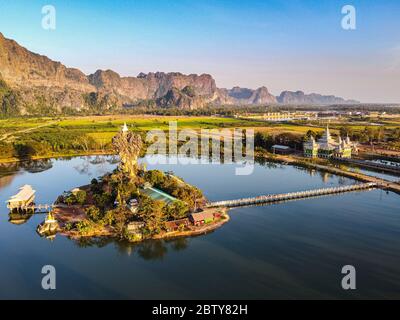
pixel 29 80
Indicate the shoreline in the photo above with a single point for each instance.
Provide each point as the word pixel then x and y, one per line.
pixel 55 156
pixel 287 159
pixel 76 213
pixel 109 233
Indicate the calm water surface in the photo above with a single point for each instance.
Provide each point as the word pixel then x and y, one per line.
pixel 288 250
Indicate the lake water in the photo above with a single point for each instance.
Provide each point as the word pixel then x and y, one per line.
pixel 290 250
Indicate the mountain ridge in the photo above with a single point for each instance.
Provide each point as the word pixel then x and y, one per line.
pixel 34 77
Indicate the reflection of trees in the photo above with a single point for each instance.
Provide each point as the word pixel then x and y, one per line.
pixel 98 242
pixel 97 160
pixel 178 244
pixel 98 163
pixel 9 170
pixel 152 250
pixel 34 166
pixel 113 160
pixel 147 250
pixel 324 176
pixel 266 163
pixel 31 166
pixel 83 168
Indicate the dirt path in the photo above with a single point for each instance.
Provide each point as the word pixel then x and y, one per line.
pixel 10 134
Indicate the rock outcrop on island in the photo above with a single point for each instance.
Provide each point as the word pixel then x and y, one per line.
pixel 29 81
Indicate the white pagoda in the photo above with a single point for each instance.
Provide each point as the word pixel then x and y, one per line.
pixel 327 147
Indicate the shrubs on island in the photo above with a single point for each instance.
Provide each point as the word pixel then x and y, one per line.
pixel 107 203
pixel 78 197
pixel 174 186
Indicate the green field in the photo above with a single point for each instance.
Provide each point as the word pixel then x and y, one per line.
pixel 103 128
pixel 47 137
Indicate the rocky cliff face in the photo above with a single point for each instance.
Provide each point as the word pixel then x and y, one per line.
pixel 36 77
pixel 245 96
pixel 39 81
pixel 185 99
pixel 20 67
pixel 151 85
pixel 299 97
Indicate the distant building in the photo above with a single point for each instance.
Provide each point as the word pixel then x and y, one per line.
pixel 280 116
pixel 327 147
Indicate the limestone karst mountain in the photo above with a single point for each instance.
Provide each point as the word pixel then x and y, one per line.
pixel 29 81
pixel 299 97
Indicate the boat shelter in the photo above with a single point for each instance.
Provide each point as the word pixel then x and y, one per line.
pixel 23 199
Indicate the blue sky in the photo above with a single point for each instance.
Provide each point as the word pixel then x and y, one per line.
pixel 284 45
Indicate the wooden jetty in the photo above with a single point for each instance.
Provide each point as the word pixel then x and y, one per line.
pixel 291 196
pixel 35 208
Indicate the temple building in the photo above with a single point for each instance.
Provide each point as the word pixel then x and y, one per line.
pixel 327 147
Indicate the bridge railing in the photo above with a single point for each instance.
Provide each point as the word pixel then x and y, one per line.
pixel 291 195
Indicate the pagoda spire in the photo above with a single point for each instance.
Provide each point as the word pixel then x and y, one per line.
pixel 125 128
pixel 328 133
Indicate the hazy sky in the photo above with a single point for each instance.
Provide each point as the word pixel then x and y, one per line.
pixel 284 45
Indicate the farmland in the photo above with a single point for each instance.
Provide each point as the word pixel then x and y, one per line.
pixel 30 137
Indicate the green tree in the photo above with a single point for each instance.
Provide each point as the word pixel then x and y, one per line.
pixel 70 199
pixel 109 218
pixel 103 200
pixel 177 210
pixel 154 177
pixel 93 213
pixel 309 134
pixel 153 215
pixel 80 197
pixel 8 100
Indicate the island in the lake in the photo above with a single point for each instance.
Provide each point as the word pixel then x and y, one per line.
pixel 132 203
